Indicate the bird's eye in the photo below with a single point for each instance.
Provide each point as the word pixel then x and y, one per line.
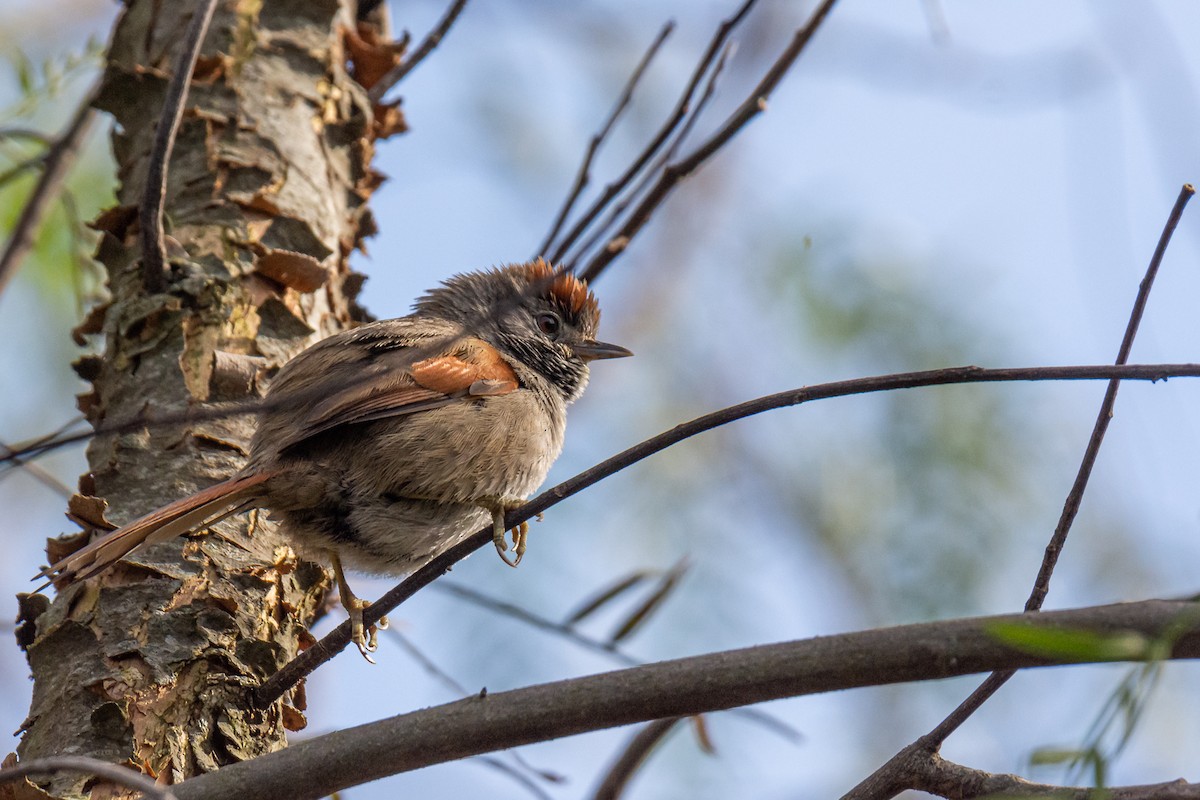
pixel 549 324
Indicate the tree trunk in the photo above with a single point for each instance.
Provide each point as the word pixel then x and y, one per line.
pixel 151 663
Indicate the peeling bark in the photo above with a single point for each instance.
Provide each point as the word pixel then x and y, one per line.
pixel 150 664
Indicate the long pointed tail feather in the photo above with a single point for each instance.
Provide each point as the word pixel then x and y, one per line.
pixel 200 510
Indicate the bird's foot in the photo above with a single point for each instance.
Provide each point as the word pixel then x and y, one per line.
pixel 520 533
pixel 364 637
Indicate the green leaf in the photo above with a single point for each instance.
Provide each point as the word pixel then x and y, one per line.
pixel 1067 644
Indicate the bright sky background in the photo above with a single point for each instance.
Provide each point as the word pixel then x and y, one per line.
pixel 1008 164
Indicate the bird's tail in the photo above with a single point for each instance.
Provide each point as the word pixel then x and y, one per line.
pixel 200 510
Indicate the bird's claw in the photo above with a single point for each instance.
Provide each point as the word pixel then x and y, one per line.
pixel 519 536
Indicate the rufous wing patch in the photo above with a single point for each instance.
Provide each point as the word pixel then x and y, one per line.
pixel 474 367
pixel 471 368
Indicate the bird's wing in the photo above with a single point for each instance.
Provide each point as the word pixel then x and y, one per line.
pixel 469 368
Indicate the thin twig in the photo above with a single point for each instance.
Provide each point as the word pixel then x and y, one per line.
pixel 583 176
pixel 426 663
pixel 55 164
pixel 504 607
pixel 882 782
pixel 946 779
pixel 38 473
pixel 903 380
pixel 26 133
pixel 154 196
pixel 1075 496
pixel 517 775
pixel 398 72
pixel 20 168
pixel 609 649
pixel 632 758
pixel 754 104
pixel 447 680
pixel 339 637
pixel 90 766
pixel 648 175
pixel 677 114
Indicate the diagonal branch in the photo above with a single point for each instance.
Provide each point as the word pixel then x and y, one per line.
pixel 956 782
pixel 154 197
pixel 632 758
pixel 882 782
pixel 339 637
pixel 639 189
pixel 674 173
pixel 664 132
pixel 583 176
pixel 686 686
pixel 121 776
pixel 55 165
pixel 427 46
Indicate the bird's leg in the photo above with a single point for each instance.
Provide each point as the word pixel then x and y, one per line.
pixel 498 507
pixel 365 638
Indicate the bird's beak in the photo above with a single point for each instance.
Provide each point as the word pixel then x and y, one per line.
pixel 591 350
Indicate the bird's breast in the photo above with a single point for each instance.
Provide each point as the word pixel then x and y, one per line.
pixel 499 446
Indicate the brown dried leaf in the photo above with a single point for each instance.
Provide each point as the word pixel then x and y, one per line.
pixel 605 596
pixel 643 612
pixel 703 740
pixel 294 270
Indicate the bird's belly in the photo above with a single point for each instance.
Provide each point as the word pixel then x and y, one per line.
pixel 392 494
pixel 494 447
pixel 382 535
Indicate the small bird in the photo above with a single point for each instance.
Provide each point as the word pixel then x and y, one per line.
pixel 381 446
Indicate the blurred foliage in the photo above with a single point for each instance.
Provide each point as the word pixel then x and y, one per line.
pixel 44 95
pixel 39 81
pixel 915 493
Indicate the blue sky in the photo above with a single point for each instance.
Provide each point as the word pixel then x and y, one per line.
pixel 996 171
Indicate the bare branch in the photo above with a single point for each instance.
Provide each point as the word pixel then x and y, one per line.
pixel 55 164
pixel 43 476
pixel 632 758
pixel 639 189
pixel 882 782
pixel 339 637
pixel 680 687
pixel 154 197
pixel 956 782
pixel 754 104
pixel 1075 496
pixel 673 120
pixel 398 72
pixel 583 176
pixel 89 766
